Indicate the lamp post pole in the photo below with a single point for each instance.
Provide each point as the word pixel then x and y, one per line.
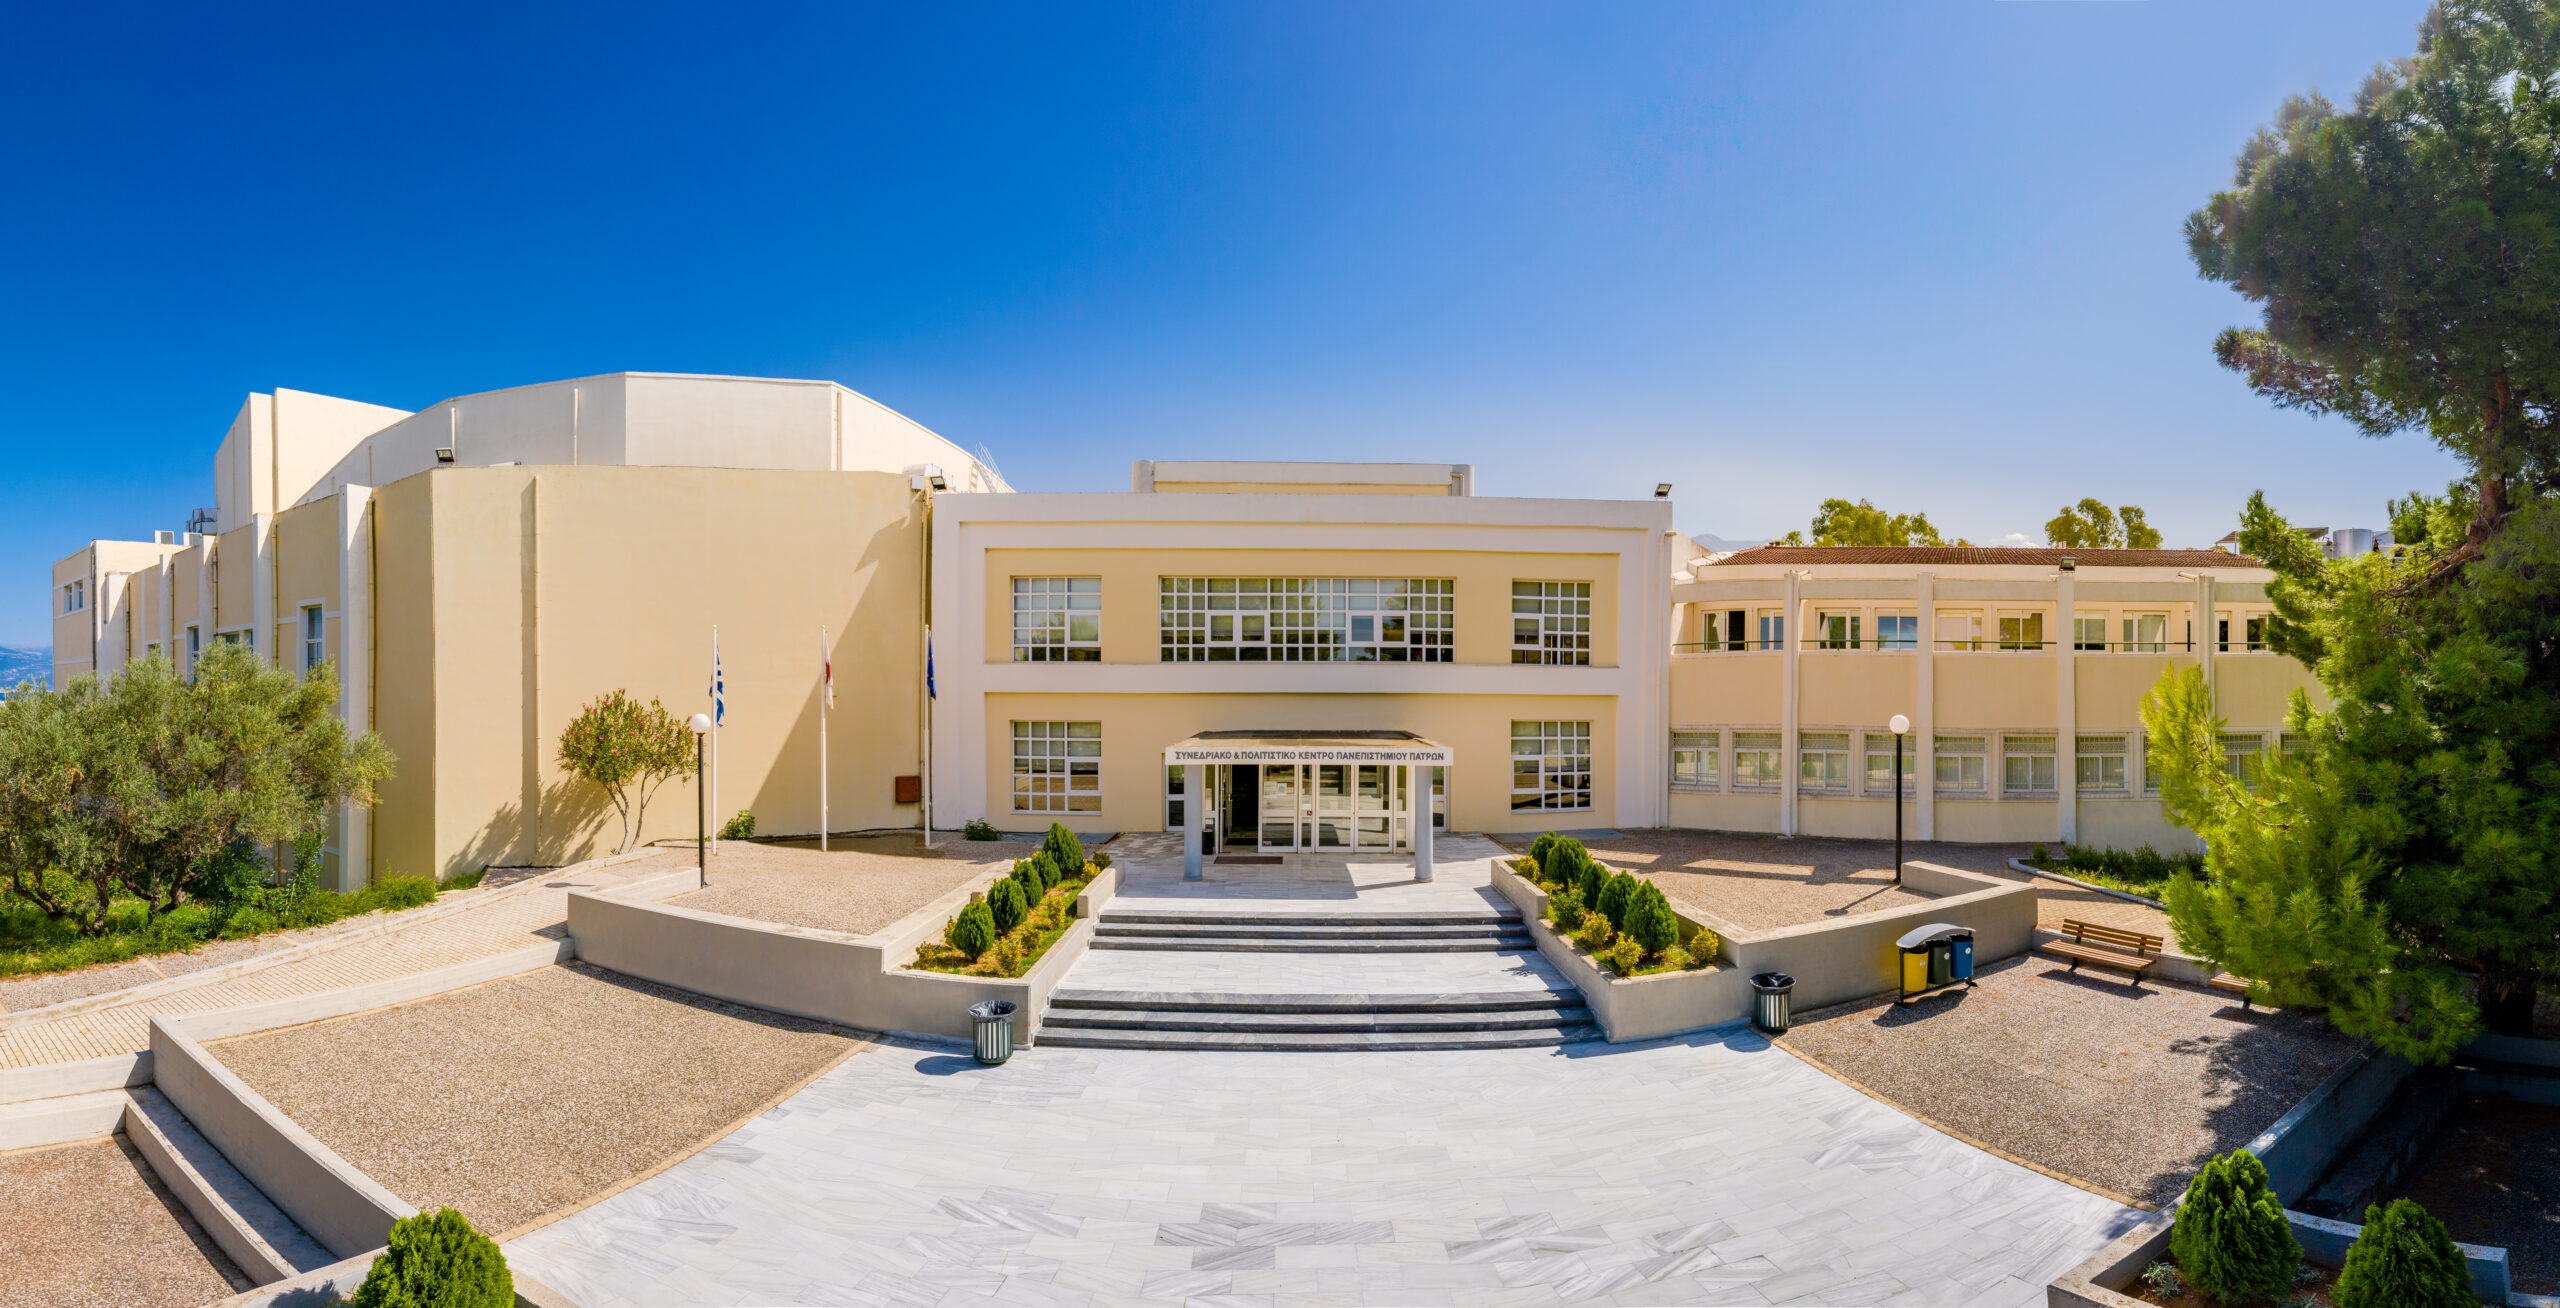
pixel 1900 725
pixel 701 724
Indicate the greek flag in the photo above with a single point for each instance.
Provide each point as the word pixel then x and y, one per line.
pixel 719 697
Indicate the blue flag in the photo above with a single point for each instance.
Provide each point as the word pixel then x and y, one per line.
pixel 928 668
pixel 719 697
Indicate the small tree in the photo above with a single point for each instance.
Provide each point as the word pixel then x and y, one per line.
pixel 1005 905
pixel 2403 1259
pixel 1063 846
pixel 630 749
pixel 1613 898
pixel 2231 1238
pixel 1650 921
pixel 438 1262
pixel 972 931
pixel 2091 525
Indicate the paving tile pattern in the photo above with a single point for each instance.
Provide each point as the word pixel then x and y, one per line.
pixel 1714 1169
pixel 499 923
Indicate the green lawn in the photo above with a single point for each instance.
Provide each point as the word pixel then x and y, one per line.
pixel 32 943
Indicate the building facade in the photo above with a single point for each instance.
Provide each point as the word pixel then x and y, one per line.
pixel 1283 656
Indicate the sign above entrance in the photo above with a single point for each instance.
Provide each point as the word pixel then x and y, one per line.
pixel 1309 747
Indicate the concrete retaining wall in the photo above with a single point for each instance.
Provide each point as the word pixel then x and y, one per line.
pixel 2302 1143
pixel 1832 962
pixel 857 981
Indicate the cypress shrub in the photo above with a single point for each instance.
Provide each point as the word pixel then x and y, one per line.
pixel 1614 890
pixel 1031 877
pixel 438 1262
pixel 972 931
pixel 1564 908
pixel 1650 921
pixel 1587 875
pixel 2231 1240
pixel 1538 854
pixel 1064 849
pixel 1005 906
pixel 2403 1259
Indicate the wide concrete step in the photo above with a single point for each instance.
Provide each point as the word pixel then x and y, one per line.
pixel 1249 930
pixel 1328 945
pixel 1314 1042
pixel 1175 917
pixel 1147 1019
pixel 1179 1001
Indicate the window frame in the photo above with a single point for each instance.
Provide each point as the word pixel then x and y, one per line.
pixel 1972 622
pixel 1879 781
pixel 314 632
pixel 1768 753
pixel 2030 748
pixel 2082 625
pixel 1057 603
pixel 2018 630
pixel 1908 620
pixel 1945 750
pixel 1560 773
pixel 1045 748
pixel 1558 622
pixel 2094 749
pixel 1819 756
pixel 1706 750
pixel 1206 619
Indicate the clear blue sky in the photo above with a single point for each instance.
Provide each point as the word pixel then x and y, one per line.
pixel 1924 253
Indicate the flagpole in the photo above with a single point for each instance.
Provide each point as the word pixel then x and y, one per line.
pixel 717 707
pixel 826 697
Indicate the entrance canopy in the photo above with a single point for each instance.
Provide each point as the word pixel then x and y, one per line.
pixel 1309 747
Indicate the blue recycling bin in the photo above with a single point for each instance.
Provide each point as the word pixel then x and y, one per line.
pixel 1934 957
pixel 1962 964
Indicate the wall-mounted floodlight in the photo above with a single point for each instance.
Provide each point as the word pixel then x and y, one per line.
pixel 2069 563
pixel 444 454
pixel 1662 490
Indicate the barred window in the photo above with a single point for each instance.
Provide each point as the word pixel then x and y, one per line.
pixel 1057 619
pixel 1693 758
pixel 1822 760
pixel 1550 765
pixel 1551 622
pixel 1880 763
pixel 2240 757
pixel 1057 767
pixel 2028 766
pixel 1306 620
pixel 1759 760
pixel 2099 767
pixel 1960 764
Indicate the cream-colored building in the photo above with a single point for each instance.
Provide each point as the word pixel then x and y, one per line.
pixel 1284 656
pixel 481 570
pixel 2021 671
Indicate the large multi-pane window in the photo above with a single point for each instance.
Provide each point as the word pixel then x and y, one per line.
pixel 314 638
pixel 1822 760
pixel 1880 763
pixel 1057 767
pixel 1057 619
pixel 1306 620
pixel 2028 766
pixel 1551 622
pixel 1550 765
pixel 1961 761
pixel 1693 759
pixel 1759 760
pixel 2099 767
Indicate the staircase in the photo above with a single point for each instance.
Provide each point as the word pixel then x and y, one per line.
pixel 1378 1019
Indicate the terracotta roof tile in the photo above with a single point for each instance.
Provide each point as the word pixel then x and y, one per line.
pixel 2036 557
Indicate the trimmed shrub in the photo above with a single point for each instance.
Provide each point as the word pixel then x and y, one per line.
pixel 1033 876
pixel 1102 860
pixel 1625 956
pixel 1538 854
pixel 1588 874
pixel 1595 933
pixel 437 1262
pixel 972 931
pixel 1564 908
pixel 1650 921
pixel 2403 1259
pixel 1703 947
pixel 980 829
pixel 2231 1239
pixel 741 827
pixel 1006 956
pixel 1005 905
pixel 1614 890
pixel 1063 847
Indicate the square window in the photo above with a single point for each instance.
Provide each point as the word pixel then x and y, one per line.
pixel 1057 619
pixel 1550 766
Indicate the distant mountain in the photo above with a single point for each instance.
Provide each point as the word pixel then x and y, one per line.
pixel 22 662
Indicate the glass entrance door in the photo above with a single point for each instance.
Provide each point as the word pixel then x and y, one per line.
pixel 1380 817
pixel 1333 805
pixel 1285 813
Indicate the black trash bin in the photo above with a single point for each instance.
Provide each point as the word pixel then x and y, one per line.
pixel 1772 996
pixel 995 1030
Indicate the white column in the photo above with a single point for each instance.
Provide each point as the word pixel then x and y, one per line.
pixel 1791 636
pixel 355 668
pixel 2204 628
pixel 1195 798
pixel 2066 716
pixel 1418 791
pixel 169 608
pixel 1924 713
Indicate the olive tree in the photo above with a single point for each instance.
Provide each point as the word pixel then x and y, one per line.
pixel 630 749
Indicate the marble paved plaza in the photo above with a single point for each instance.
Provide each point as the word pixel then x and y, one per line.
pixel 1708 1169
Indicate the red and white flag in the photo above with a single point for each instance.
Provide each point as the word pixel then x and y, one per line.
pixel 826 668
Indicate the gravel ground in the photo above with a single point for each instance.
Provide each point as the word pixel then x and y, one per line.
pixel 2129 1089
pixel 2492 1176
pixel 519 1097
pixel 86 1225
pixel 859 886
pixel 22 993
pixel 1762 882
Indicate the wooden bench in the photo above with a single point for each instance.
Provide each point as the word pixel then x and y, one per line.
pixel 2106 946
pixel 2236 985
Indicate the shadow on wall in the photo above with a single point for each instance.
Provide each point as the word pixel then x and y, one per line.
pixel 576 822
pixel 876 644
